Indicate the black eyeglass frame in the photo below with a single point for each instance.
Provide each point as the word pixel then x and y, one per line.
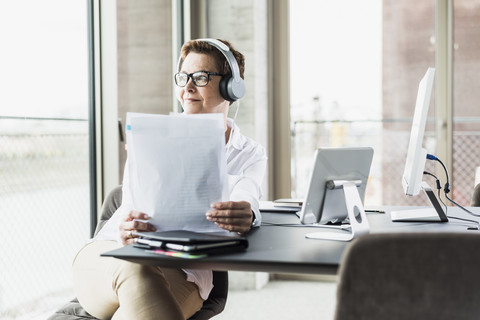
pixel 190 76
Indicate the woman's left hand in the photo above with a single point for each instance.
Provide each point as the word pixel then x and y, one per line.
pixel 233 216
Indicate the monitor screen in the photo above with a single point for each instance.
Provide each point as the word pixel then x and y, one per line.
pixel 412 179
pixel 416 154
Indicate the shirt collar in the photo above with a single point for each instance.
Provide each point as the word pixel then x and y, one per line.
pixel 235 139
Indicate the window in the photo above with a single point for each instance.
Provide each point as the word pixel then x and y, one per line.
pixel 466 95
pixel 355 69
pixel 44 165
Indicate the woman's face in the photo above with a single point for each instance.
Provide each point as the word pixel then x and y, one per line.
pixel 205 99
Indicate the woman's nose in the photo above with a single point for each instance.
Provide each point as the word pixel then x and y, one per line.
pixel 190 86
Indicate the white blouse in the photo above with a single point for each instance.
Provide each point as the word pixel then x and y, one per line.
pixel 246 164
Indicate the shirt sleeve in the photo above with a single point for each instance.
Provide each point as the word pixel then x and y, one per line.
pixel 246 186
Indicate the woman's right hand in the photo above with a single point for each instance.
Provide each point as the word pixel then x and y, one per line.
pixel 130 224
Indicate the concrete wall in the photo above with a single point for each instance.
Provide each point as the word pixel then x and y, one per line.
pixel 144 38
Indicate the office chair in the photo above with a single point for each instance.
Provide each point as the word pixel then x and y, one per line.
pixel 410 276
pixel 212 306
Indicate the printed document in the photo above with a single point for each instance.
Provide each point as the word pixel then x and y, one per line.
pixel 177 168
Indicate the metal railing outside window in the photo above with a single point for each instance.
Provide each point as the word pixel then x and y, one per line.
pixel 44 209
pixel 389 138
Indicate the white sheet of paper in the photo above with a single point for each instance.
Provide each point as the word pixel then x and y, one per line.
pixel 177 168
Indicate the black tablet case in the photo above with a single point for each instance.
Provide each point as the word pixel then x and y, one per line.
pixel 192 238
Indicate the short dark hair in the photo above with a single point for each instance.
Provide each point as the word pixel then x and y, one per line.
pixel 204 47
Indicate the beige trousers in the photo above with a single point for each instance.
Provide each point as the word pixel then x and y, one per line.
pixel 110 288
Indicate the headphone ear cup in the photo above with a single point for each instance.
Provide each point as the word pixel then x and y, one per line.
pixel 224 83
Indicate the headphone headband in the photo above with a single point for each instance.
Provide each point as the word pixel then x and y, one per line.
pixel 223 48
pixel 231 88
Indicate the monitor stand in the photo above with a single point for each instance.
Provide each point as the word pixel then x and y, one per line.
pixel 435 214
pixel 356 214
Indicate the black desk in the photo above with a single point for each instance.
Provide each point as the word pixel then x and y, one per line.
pixel 285 249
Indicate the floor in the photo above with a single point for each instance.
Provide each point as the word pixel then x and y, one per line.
pixel 282 300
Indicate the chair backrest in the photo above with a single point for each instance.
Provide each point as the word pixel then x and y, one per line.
pixel 410 276
pixel 217 299
pixel 112 202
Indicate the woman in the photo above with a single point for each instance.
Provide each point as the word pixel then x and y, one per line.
pixel 117 289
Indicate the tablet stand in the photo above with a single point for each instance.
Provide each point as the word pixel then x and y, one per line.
pixel 356 213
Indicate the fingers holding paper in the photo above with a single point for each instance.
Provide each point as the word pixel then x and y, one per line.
pixel 236 216
pixel 132 224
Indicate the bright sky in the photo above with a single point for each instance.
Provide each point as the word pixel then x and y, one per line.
pixel 43 60
pixel 336 54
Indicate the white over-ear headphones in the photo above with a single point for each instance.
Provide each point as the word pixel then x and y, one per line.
pixel 232 87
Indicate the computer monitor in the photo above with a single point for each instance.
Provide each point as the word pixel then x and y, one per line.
pixel 412 179
pixel 336 191
pixel 416 154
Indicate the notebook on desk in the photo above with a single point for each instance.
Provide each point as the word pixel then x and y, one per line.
pixel 271 206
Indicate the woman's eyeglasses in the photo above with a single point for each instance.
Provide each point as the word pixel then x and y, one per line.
pixel 199 78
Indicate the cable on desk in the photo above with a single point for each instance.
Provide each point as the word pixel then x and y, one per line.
pixel 477 223
pixel 446 188
pixel 439 188
pixel 464 209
